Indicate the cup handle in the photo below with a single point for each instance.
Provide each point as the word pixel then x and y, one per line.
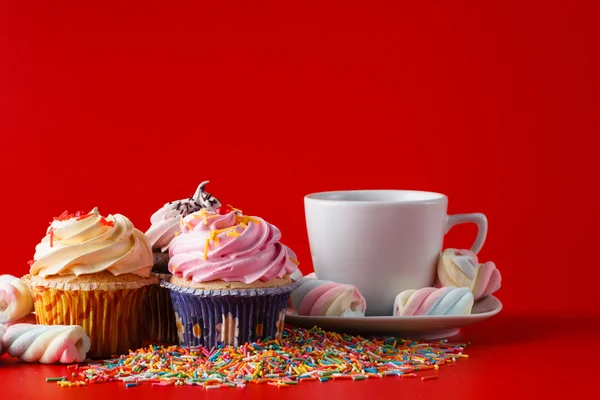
pixel 476 218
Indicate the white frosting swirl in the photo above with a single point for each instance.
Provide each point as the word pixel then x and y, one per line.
pixel 90 244
pixel 165 222
pixel 47 344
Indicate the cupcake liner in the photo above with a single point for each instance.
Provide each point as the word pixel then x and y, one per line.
pixel 111 318
pixel 160 322
pixel 109 286
pixel 230 316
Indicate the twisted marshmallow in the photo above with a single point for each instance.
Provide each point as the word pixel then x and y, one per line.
pixel 15 299
pixel 461 268
pixel 433 301
pixel 28 319
pixel 325 298
pixel 296 275
pixel 2 332
pixel 47 344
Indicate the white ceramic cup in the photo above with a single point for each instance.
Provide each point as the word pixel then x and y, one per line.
pixel 381 241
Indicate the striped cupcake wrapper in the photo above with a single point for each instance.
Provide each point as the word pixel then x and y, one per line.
pixel 160 324
pixel 111 318
pixel 228 317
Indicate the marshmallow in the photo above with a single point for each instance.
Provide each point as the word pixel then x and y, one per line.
pixel 15 299
pixel 296 275
pixel 433 301
pixel 2 332
pixel 47 344
pixel 325 298
pixel 461 268
pixel 28 319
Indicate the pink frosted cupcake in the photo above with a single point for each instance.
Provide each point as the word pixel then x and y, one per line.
pixel 165 227
pixel 165 224
pixel 231 279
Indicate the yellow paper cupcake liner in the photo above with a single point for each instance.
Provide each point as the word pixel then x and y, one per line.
pixel 111 318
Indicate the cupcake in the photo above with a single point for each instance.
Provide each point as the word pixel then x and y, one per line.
pixel 165 226
pixel 94 272
pixel 231 279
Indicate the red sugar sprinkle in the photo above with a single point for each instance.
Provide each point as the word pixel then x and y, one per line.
pixel 65 215
pixel 62 216
pixel 79 218
pixel 51 236
pixel 104 222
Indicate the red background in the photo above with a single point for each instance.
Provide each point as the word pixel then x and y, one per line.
pixel 128 106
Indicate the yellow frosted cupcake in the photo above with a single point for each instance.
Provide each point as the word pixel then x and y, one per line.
pixel 93 271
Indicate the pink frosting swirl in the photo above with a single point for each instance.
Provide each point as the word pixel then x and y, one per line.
pixel 230 248
pixel 165 224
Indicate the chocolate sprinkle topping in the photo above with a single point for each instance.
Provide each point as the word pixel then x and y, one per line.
pixel 198 201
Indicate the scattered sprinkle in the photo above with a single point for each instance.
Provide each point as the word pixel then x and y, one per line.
pixel 58 379
pixel 301 356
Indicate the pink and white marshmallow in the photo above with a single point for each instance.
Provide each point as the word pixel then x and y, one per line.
pixel 325 298
pixel 461 268
pixel 28 319
pixel 47 344
pixel 433 301
pixel 296 275
pixel 15 299
pixel 2 332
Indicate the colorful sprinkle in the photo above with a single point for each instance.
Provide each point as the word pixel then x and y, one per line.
pixel 60 378
pixel 301 356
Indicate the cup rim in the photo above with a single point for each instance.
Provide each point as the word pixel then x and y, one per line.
pixel 432 197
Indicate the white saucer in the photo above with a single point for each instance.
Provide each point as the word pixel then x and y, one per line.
pixel 421 327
